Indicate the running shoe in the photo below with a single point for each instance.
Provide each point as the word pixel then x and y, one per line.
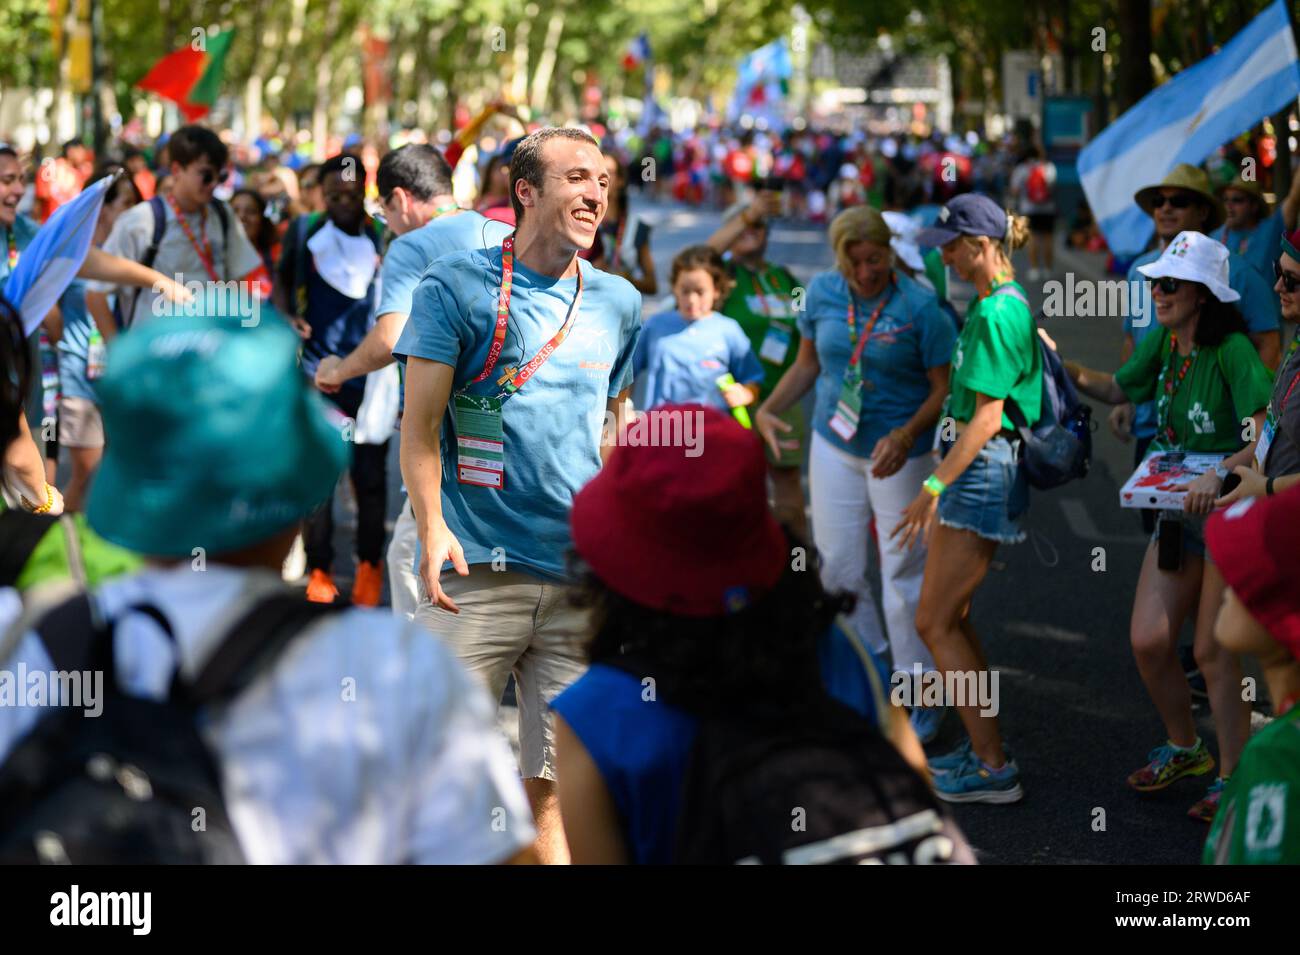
pixel 972 781
pixel 368 585
pixel 320 588
pixel 926 720
pixel 1168 765
pixel 1204 810
pixel 950 761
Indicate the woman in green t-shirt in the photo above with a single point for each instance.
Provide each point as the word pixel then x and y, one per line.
pixel 979 490
pixel 1210 390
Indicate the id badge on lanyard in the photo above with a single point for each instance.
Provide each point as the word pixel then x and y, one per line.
pixel 480 425
pixel 1265 441
pixel 776 344
pixel 480 441
pixel 848 408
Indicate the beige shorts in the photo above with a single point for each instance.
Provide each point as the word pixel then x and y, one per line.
pixel 80 424
pixel 511 622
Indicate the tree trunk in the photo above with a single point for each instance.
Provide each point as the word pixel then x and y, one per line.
pixel 1135 59
pixel 320 116
pixel 546 62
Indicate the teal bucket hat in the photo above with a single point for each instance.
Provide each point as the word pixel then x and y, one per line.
pixel 214 438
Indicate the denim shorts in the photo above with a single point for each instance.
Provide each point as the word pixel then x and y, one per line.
pixel 991 495
pixel 1193 534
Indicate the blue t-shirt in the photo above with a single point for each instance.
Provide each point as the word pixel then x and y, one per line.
pixel 642 748
pixel 1258 306
pixel 683 359
pixel 1259 246
pixel 74 346
pixel 911 336
pixel 553 424
pixel 409 257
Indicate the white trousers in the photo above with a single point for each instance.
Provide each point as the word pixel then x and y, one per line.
pixel 844 498
pixel 401 563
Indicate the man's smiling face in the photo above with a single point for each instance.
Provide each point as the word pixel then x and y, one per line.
pixel 11 189
pixel 575 192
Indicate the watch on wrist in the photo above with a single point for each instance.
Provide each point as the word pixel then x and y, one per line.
pixel 1268 487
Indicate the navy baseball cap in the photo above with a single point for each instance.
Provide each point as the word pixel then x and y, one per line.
pixel 971 213
pixel 507 151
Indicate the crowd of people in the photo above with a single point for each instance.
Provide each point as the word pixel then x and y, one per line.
pixel 656 602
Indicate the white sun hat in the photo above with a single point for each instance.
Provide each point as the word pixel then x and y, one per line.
pixel 1195 257
pixel 903 240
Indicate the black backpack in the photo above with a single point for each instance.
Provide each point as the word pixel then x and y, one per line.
pixel 125 317
pixel 20 533
pixel 1058 447
pixel 831 791
pixel 136 784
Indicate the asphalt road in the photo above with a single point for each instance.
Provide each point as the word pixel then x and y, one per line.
pixel 1073 707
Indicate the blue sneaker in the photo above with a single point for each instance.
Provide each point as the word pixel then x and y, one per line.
pixel 950 761
pixel 972 781
pixel 926 720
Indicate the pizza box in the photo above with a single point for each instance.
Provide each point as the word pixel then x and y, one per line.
pixel 1153 483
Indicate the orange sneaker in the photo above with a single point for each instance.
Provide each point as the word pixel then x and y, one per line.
pixel 320 588
pixel 368 584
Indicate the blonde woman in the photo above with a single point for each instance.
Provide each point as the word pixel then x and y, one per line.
pixel 876 347
pixel 978 490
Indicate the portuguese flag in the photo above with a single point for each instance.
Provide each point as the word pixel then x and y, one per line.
pixel 191 78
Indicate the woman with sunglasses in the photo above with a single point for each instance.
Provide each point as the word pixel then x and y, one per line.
pixel 979 491
pixel 1209 386
pixel 1275 453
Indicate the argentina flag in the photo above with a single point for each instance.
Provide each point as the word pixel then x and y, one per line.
pixel 50 263
pixel 1185 120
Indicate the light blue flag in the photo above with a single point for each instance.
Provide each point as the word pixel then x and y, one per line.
pixel 1185 120
pixel 50 263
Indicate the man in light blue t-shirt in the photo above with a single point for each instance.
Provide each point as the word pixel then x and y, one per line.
pixel 505 409
pixel 415 191
pixel 1184 202
pixel 1249 229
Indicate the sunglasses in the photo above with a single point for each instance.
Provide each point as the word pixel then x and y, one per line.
pixel 1167 284
pixel 1179 201
pixel 209 176
pixel 1290 281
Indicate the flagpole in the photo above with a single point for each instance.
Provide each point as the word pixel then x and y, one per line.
pixel 100 134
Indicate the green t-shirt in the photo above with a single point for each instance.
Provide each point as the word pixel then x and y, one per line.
pixel 1258 822
pixel 1224 385
pixel 936 272
pixel 49 559
pixel 997 355
pixel 760 301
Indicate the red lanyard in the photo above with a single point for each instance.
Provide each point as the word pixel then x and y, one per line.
pixel 1286 360
pixel 514 379
pixel 764 292
pixel 1171 385
pixel 871 323
pixel 204 251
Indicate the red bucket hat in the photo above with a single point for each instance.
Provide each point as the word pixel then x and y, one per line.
pixel 677 520
pixel 1254 544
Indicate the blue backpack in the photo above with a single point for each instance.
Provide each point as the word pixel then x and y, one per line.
pixel 1058 447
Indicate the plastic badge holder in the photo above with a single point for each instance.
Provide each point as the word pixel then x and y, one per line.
pixel 1152 485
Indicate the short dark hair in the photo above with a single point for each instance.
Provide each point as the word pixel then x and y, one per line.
pixel 528 164
pixel 189 144
pixel 339 164
pixel 416 167
pixel 15 368
pixel 7 150
pixel 703 257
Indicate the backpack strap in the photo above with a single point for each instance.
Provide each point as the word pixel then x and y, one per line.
pixel 223 216
pixel 20 532
pixel 304 227
pixel 253 640
pixel 1009 404
pixel 127 316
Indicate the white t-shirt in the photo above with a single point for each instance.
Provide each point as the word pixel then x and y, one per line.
pixel 365 741
pixel 133 232
pixel 1020 188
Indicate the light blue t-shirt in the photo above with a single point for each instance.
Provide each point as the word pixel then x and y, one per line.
pixel 683 359
pixel 553 424
pixel 1258 306
pixel 911 336
pixel 409 256
pixel 74 346
pixel 1259 246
